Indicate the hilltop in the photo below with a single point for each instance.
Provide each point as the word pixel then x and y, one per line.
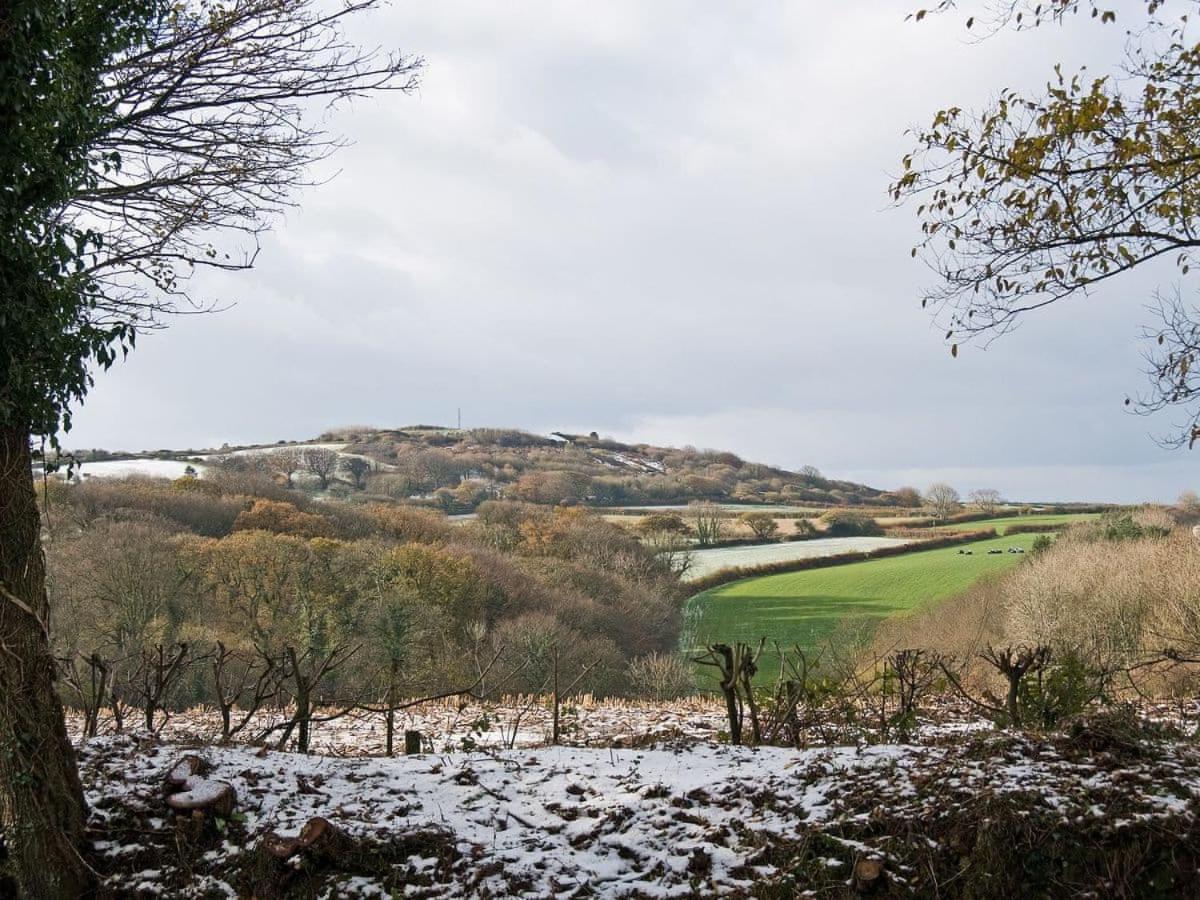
pixel 460 468
pixel 575 468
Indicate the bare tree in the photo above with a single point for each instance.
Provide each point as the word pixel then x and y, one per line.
pixel 243 682
pixel 1187 507
pixel 737 665
pixel 287 463
pixel 674 550
pixel 160 669
pixel 708 520
pixel 214 128
pixel 762 524
pixel 321 462
pixel 986 499
pixel 942 499
pixel 357 468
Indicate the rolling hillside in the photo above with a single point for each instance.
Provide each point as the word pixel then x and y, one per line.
pixel 572 468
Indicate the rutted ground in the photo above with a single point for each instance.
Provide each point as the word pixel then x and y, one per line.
pixel 979 815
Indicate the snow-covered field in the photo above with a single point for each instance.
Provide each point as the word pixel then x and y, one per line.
pixel 673 820
pixel 705 562
pixel 171 468
pixel 146 468
pixel 271 448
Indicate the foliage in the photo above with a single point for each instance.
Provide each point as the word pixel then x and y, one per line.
pixel 281 518
pixel 1068 686
pixel 669 523
pixel 762 524
pixel 1040 197
pixel 844 523
pixel 803 528
pixel 400 602
pixel 52 104
pixel 1041 544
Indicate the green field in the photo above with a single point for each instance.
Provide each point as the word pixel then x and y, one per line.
pixel 1000 524
pixel 805 607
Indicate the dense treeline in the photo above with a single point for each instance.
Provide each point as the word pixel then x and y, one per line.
pixel 235 592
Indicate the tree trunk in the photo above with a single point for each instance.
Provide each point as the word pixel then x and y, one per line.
pixel 42 811
pixel 390 717
pixel 554 726
pixel 1012 699
pixel 729 691
pixel 303 718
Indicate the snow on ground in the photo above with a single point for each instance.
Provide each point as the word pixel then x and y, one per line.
pixel 674 820
pixel 146 468
pixel 452 724
pixel 271 448
pixel 705 562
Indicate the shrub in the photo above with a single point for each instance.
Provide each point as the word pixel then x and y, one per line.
pixel 207 511
pixel 1126 528
pixel 802 528
pixel 662 676
pixel 665 523
pixel 761 523
pixel 844 523
pixel 1067 687
pixel 1041 544
pixel 281 518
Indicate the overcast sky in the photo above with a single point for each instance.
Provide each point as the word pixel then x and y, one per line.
pixel 661 221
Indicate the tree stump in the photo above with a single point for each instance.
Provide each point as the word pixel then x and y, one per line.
pixel 412 742
pixel 189 792
pixel 868 875
pixel 319 839
pixel 177 777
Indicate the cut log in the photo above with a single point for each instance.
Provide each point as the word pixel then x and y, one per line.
pixel 318 839
pixel 203 795
pixel 277 846
pixel 868 874
pixel 188 767
pixel 188 791
pixel 321 839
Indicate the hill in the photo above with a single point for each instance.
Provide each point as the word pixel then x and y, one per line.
pixel 483 463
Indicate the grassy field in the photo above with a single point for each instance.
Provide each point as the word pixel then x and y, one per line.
pixel 1002 523
pixel 805 607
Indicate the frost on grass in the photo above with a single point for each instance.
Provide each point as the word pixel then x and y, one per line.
pixel 979 814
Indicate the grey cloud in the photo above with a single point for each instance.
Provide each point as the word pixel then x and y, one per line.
pixel 665 221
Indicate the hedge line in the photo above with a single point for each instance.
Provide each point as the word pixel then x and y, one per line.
pixel 1036 528
pixel 737 573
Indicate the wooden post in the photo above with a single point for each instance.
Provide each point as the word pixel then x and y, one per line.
pixel 412 742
